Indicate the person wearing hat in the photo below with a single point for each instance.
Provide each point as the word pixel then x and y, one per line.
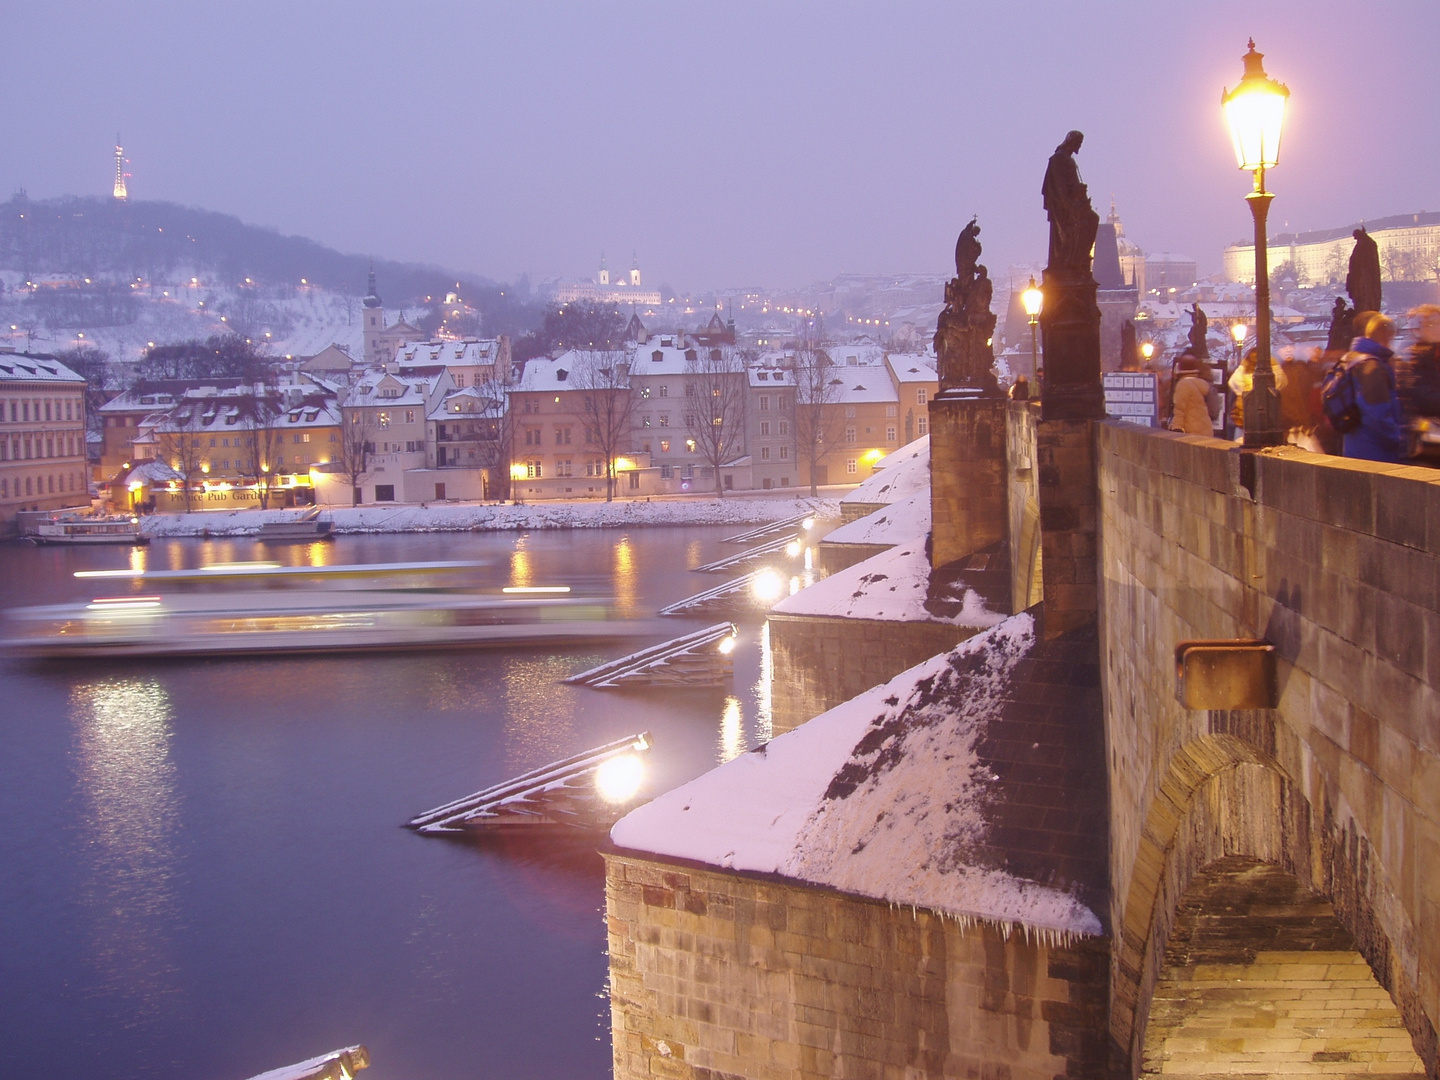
pixel 1191 397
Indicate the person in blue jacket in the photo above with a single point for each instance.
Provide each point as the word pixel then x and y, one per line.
pixel 1381 434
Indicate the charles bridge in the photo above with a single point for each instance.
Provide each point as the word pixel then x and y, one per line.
pixel 1253 890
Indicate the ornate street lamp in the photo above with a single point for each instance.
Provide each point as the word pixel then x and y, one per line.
pixel 1255 111
pixel 1034 300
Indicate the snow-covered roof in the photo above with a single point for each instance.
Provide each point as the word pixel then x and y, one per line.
pixel 762 375
pixel 653 359
pixel 903 522
pixel 887 796
pixel 898 475
pixel 549 375
pixel 863 385
pixel 467 402
pixel 859 354
pixel 890 587
pixel 378 389
pixel 18 367
pixel 464 353
pixel 913 368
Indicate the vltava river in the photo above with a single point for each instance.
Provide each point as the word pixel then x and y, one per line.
pixel 202 869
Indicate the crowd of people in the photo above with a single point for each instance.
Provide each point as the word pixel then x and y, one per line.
pixel 1396 398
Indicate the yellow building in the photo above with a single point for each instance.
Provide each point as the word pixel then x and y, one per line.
pixel 42 436
pixel 1409 251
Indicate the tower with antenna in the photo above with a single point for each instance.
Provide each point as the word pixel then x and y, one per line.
pixel 121 195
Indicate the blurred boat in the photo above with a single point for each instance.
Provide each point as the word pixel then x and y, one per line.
pixel 88 530
pixel 307 526
pixel 279 611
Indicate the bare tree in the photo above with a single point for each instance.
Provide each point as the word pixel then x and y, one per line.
pixel 263 439
pixel 607 404
pixel 177 443
pixel 817 389
pixel 352 452
pixel 716 420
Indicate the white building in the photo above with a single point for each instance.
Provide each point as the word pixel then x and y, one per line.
pixel 1409 251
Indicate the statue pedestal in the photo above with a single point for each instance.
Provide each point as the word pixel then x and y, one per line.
pixel 968 487
pixel 1070 325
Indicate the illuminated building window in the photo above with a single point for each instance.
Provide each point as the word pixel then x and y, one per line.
pixel 664 446
pixel 851 466
pixel 384 419
pixel 664 391
pixel 890 434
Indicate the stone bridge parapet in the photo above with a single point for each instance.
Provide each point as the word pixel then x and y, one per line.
pixel 1337 563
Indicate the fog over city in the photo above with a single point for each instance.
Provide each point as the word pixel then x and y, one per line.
pixel 724 144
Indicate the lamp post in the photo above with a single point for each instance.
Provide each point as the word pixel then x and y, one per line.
pixel 1255 112
pixel 1034 300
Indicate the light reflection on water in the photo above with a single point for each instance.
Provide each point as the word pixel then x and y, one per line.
pixel 626 592
pixel 520 571
pixel 732 731
pixel 539 715
pixel 128 785
pixel 764 702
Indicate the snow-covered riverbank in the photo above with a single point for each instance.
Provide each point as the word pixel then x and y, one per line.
pixel 466 517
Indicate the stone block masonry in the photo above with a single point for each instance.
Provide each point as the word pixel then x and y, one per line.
pixel 719 975
pixel 1337 563
pixel 967 476
pixel 821 661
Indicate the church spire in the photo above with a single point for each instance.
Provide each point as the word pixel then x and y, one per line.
pixel 372 297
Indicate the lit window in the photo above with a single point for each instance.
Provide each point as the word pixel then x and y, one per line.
pixel 664 446
pixel 409 416
pixel 851 466
pixel 664 391
pixel 890 434
pixel 384 419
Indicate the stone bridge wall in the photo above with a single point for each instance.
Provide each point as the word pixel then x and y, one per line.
pixel 722 975
pixel 1335 562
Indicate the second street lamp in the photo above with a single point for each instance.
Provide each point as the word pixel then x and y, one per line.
pixel 1033 299
pixel 1255 112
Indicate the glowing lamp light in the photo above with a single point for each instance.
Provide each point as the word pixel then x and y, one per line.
pixel 792 548
pixel 1255 113
pixel 1147 350
pixel 1238 332
pixel 618 780
pixel 1032 299
pixel 808 523
pixel 517 472
pixel 727 645
pixel 768 586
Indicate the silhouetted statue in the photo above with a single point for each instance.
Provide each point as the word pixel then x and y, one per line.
pixel 1073 221
pixel 1363 280
pixel 1341 327
pixel 967 250
pixel 963 333
pixel 1070 319
pixel 1129 350
pixel 1199 325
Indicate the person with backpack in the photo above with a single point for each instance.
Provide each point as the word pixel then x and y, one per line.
pixel 1362 398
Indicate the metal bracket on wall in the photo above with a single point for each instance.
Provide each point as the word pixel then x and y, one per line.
pixel 1236 673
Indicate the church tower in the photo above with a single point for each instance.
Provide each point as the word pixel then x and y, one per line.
pixel 635 271
pixel 604 278
pixel 121 195
pixel 374 322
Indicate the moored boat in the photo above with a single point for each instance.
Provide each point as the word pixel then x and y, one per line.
pixel 307 526
pixel 89 530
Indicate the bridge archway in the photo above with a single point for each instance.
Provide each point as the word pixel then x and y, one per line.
pixel 1261 979
pixel 1224 798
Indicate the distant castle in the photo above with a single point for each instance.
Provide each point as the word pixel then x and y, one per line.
pixel 602 290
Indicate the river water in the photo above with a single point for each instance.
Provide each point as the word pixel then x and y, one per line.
pixel 202 869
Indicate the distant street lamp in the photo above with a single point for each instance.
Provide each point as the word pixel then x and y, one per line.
pixel 1255 112
pixel 1147 350
pixel 1033 300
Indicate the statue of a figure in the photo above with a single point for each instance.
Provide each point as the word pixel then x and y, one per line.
pixel 1363 280
pixel 1199 325
pixel 967 251
pixel 1073 221
pixel 963 331
pixel 1340 327
pixel 1129 350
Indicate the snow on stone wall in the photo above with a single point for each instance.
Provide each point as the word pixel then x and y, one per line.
pixel 882 797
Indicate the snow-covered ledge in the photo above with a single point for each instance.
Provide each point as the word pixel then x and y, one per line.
pixel 884 797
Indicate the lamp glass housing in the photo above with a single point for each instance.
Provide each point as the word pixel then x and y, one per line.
pixel 1255 113
pixel 1033 299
